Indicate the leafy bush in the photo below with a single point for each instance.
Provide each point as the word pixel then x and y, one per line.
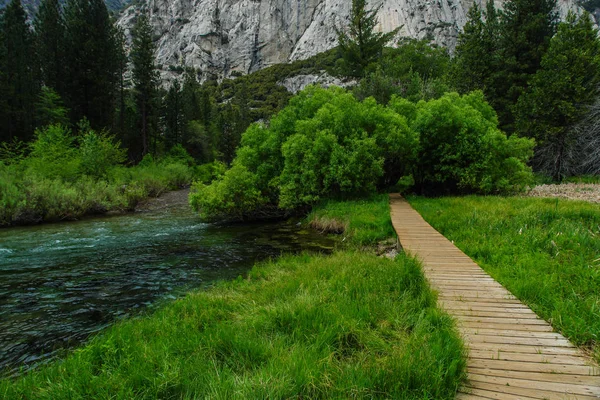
pixel 62 181
pixel 99 153
pixel 327 144
pixel 462 150
pixel 53 154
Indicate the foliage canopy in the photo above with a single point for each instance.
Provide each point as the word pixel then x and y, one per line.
pixel 327 144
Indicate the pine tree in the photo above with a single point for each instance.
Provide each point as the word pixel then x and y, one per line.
pixel 475 57
pixel 4 136
pixel 19 85
pixel 121 61
pixel 174 120
pixel 49 43
pixel 526 27
pixel 360 46
pixel 560 92
pixel 91 52
pixel 50 109
pixel 145 77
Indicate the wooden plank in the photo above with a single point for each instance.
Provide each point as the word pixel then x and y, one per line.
pixel 521 348
pixel 513 304
pixel 528 392
pixel 510 333
pixel 516 327
pixel 531 341
pixel 571 379
pixel 473 393
pixel 496 314
pixel 537 358
pixel 527 366
pixel 587 390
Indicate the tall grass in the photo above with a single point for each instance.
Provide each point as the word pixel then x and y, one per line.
pixel 351 325
pixel 364 222
pixel 545 251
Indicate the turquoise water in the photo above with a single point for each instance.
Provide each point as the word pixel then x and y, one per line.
pixel 59 283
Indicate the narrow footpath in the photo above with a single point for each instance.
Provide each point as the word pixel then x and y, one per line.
pixel 513 354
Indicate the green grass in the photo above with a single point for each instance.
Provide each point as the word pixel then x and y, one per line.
pixel 349 325
pixel 545 251
pixel 363 222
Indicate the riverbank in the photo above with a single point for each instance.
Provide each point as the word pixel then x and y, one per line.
pixel 347 325
pixel 544 251
pixel 29 199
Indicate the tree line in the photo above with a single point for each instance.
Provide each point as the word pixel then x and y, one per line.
pixel 70 63
pixel 540 75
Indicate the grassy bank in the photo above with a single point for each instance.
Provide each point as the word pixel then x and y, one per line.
pixel 363 222
pixel 27 198
pixel 349 325
pixel 545 251
pixel 62 175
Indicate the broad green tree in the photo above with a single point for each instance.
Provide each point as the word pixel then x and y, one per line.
pixel 145 79
pixel 360 44
pixel 560 92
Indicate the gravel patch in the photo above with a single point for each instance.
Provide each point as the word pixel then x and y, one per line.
pixel 571 191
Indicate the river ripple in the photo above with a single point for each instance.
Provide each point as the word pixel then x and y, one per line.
pixel 59 283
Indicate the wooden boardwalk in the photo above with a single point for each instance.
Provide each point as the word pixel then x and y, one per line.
pixel 513 354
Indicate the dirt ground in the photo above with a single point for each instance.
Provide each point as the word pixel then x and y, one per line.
pixel 572 191
pixel 176 198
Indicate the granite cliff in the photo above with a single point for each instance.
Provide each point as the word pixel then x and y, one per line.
pixel 224 37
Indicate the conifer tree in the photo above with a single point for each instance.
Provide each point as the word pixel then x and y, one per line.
pixel 361 45
pixel 145 78
pixel 91 52
pixel 475 57
pixel 173 116
pixel 19 85
pixel 49 34
pixel 526 27
pixel 121 61
pixel 4 135
pixel 560 92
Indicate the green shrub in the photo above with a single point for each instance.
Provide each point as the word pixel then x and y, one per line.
pixel 11 195
pixel 206 173
pixel 462 150
pixel 235 194
pixel 53 154
pixel 99 153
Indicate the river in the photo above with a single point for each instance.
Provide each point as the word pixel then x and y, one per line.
pixel 61 282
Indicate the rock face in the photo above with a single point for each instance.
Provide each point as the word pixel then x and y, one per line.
pixel 294 84
pixel 219 37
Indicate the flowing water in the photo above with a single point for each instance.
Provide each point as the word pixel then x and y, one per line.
pixel 61 282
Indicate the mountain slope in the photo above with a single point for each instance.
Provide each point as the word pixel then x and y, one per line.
pixel 219 37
